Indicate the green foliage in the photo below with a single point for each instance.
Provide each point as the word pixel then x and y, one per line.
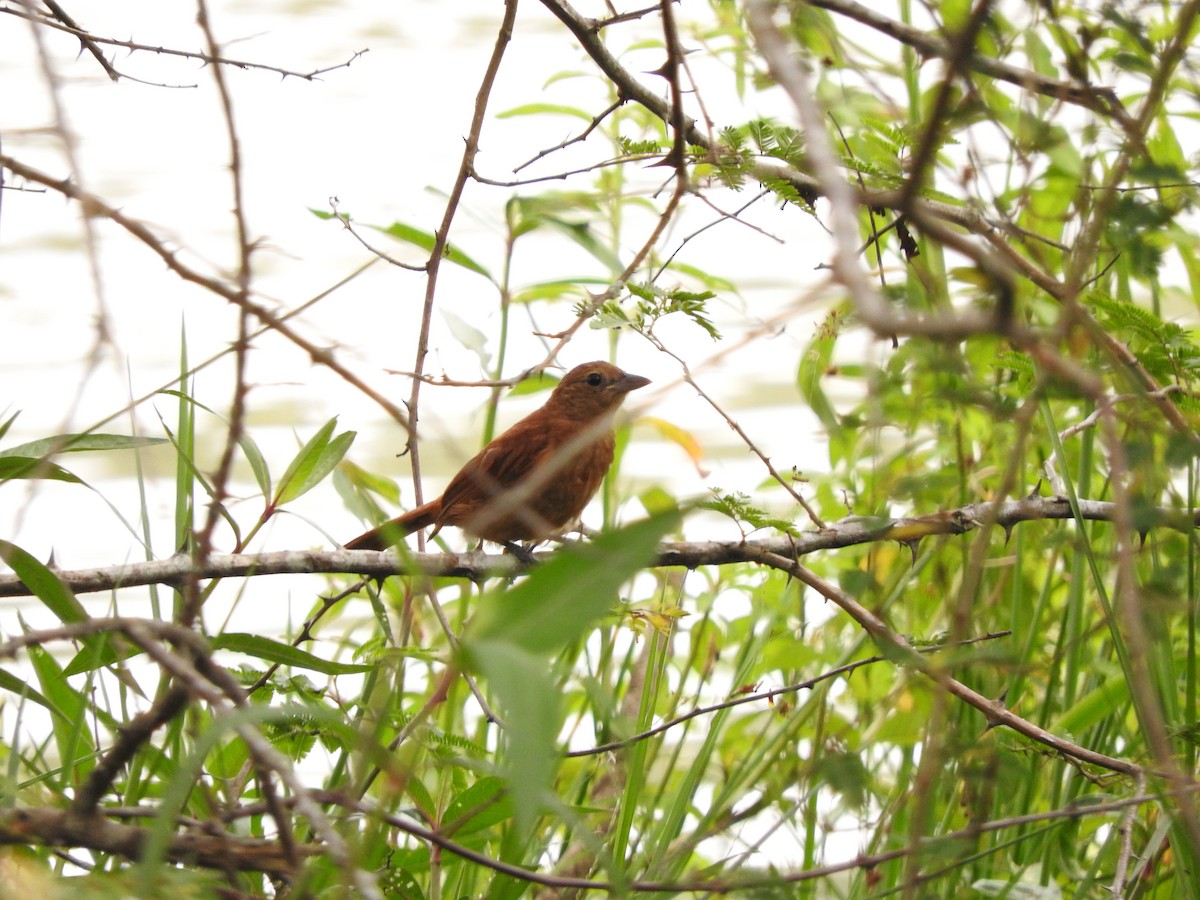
pixel 273 651
pixel 316 459
pixel 654 303
pixel 737 506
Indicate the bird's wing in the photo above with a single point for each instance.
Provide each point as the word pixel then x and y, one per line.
pixel 503 463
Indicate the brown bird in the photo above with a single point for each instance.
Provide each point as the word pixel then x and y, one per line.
pixel 536 478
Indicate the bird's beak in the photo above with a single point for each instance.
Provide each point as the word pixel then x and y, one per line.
pixel 627 383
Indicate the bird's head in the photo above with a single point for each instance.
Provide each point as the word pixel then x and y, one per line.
pixel 593 389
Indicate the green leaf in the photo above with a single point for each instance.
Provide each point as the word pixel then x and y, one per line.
pixel 657 303
pixel 7 423
pixel 482 805
pixel 531 710
pixel 655 500
pixel 1094 707
pixel 71 734
pixel 22 688
pixel 556 289
pixel 258 464
pixel 284 654
pixel 315 460
pixel 44 584
pixel 75 443
pixel 425 240
pixel 187 475
pixel 558 601
pixel 814 365
pixel 34 467
pixel 515 630
pixel 100 650
pixel 531 109
pixel 469 336
pixel 737 506
pixel 534 384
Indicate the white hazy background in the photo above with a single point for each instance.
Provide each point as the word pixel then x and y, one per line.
pixel 384 137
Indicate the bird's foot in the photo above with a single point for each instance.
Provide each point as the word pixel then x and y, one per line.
pixel 524 554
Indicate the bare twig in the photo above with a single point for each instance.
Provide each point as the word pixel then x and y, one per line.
pixel 222 852
pixel 732 423
pixel 582 136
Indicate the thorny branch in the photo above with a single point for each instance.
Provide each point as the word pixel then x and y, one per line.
pixel 478 566
pixel 92 42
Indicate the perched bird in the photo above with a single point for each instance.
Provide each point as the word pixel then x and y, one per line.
pixel 536 478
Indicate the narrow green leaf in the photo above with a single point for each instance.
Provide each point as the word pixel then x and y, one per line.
pixel 557 289
pixel 284 654
pixel 1093 707
pixel 190 400
pixel 469 336
pixel 186 474
pixel 582 234
pixel 22 688
pixel 327 216
pixel 303 463
pixel 44 584
pixel 33 467
pixel 75 443
pixel 531 109
pixel 813 367
pixel 71 733
pixel 534 384
pixel 7 423
pixel 100 650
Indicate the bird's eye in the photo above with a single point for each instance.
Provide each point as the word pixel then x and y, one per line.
pixel 595 379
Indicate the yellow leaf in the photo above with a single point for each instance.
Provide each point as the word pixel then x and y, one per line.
pixel 678 436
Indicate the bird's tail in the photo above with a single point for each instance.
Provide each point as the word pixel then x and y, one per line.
pixel 393 532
